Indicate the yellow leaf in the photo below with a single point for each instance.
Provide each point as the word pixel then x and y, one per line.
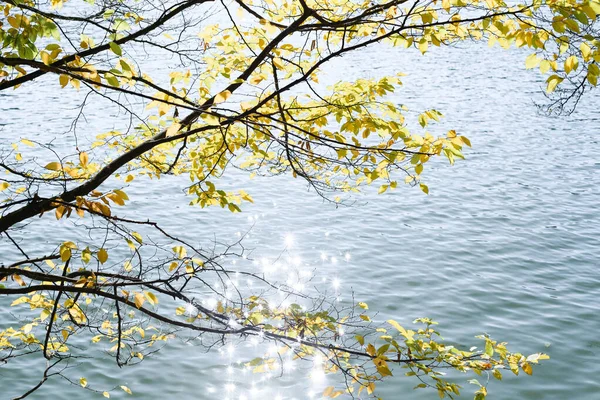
pixel 83 382
pixel 126 389
pixel 553 81
pixel 397 326
pixel 102 255
pixel 151 298
pixel 20 300
pixel 137 237
pixel 221 97
pixel 27 142
pixel 53 166
pixel 65 253
pixel 532 61
pixel 59 212
pixel 363 305
pixel 371 388
pixel 423 45
pixel 545 66
pixel 586 51
pixel 44 314
pixel 571 64
pixel 63 80
pixel 173 129
pixel 121 194
pixel 180 251
pixel 4 186
pixel 527 368
pixel 83 158
pixel 497 374
pixel 106 394
pixel 139 300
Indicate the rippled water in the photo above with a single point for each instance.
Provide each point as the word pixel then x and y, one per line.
pixel 506 243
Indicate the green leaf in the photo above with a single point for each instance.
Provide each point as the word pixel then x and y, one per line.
pixel 115 48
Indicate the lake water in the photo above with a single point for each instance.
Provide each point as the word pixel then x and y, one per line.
pixel 507 242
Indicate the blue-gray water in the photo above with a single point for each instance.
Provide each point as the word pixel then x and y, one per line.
pixel 506 243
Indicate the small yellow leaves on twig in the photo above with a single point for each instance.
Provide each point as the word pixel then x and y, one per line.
pixel 65 250
pixel 180 251
pixel 126 389
pixel 83 382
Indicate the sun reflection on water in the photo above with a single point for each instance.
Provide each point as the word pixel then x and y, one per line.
pixel 299 272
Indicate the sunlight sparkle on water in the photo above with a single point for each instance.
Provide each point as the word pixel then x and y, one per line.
pixel 317 375
pixel 190 309
pixel 272 350
pixel 289 240
pixel 230 387
pixel 230 349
